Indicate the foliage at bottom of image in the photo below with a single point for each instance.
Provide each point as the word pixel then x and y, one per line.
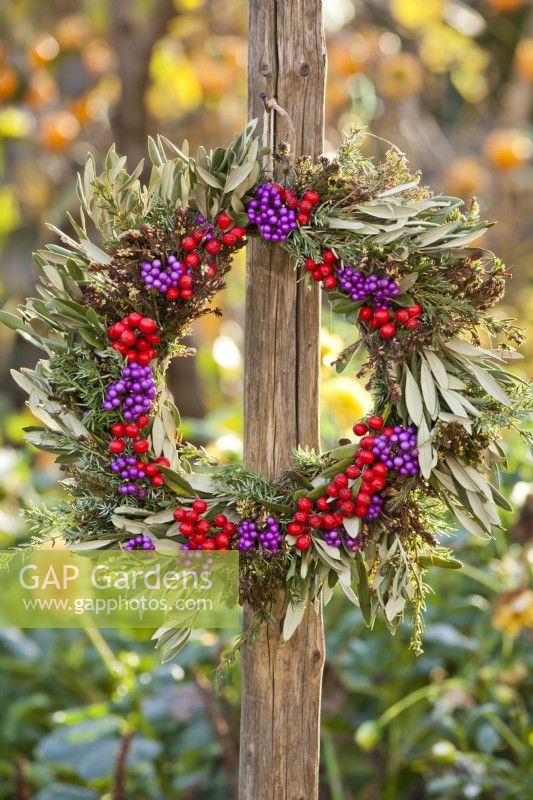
pixel 89 715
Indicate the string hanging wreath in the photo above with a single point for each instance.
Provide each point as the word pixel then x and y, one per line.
pixel 394 260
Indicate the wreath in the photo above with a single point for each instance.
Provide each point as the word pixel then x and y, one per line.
pixel 399 263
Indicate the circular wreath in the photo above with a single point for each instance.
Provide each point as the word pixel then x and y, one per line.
pixel 394 260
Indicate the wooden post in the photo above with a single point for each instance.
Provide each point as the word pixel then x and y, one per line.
pixel 281 682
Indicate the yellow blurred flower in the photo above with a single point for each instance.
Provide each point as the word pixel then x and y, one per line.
pixel 524 59
pixel 345 401
pixel 330 347
pixel 416 14
pixel 400 76
pixel 514 611
pixel 175 87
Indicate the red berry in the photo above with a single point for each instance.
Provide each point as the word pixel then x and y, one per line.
pixel 239 232
pixel 316 274
pixel 192 259
pixel 330 282
pixel 211 270
pixel 345 494
pixel 363 499
pixel 118 429
pixel 332 490
pixel 378 484
pixel 367 442
pixel 220 520
pixel 353 472
pixel 228 239
pixel 162 461
pixel 375 422
pixel 303 542
pixel 322 504
pixel 128 337
pixel 381 315
pixel 414 311
pixel 199 538
pixel 223 221
pixel 368 475
pixel 329 521
pixel 329 257
pixel 300 517
pixel 360 428
pixel 198 235
pixel 154 338
pixel 199 506
pixel 186 528
pixel 304 504
pixel 131 430
pixel 365 314
pixel 121 347
pixel 361 511
pixel 229 528
pixel 306 207
pixel 291 201
pixel 295 529
pixel 325 269
pixel 367 457
pixel 191 516
pixel 402 315
pixel 179 514
pixel 203 526
pixel 133 319
pixel 141 445
pixel 340 480
pixel 222 540
pixel 315 520
pixel 157 480
pixel 380 469
pixel 142 345
pixel 312 197
pixel 209 545
pixel 388 431
pixel 114 331
pixel 188 243
pixel 186 294
pixel 117 446
pixel 387 331
pixel 213 246
pixel 309 264
pixel 172 293
pixel 412 323
pixel 144 359
pixel 151 470
pixel 347 508
pixel 147 325
pixel 302 219
pixel 186 281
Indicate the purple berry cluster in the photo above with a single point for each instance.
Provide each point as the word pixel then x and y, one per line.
pixel 163 278
pixel 126 467
pixel 359 286
pixel 133 393
pixel 268 538
pixel 338 536
pixel 267 210
pixel 398 451
pixel 375 506
pixel 139 543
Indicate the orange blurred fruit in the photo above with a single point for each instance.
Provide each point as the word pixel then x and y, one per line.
pixel 507 148
pixel 58 130
pixel 214 77
pixel 506 5
pixel 8 83
pixel 465 177
pixel 42 50
pixel 345 60
pixel 400 76
pixel 42 89
pixel 72 31
pixel 97 56
pixel 524 59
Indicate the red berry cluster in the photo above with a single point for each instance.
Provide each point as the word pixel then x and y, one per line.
pixel 386 321
pixel 305 205
pixel 328 512
pixel 134 337
pixel 201 534
pixel 201 248
pixel 325 271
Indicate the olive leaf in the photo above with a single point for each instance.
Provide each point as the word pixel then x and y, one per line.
pixel 429 390
pixel 413 397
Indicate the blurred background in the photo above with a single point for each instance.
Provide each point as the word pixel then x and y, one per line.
pixel 86 713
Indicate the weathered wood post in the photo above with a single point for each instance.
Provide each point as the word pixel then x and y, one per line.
pixel 281 682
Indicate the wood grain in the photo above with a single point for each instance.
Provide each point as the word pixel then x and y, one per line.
pixel 281 682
